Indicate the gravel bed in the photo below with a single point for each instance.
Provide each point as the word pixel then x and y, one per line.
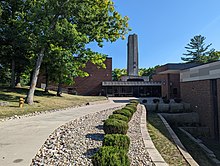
pixel 73 143
pixel 137 151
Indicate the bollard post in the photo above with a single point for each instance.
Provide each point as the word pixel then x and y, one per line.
pixel 21 102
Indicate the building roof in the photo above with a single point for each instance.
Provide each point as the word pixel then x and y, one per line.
pixel 203 72
pixel 174 67
pixel 130 83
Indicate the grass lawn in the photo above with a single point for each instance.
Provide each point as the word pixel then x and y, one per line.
pixel 163 141
pixel 42 101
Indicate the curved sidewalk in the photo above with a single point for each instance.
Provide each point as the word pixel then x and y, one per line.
pixel 20 139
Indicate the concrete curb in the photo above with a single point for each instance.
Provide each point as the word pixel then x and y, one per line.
pixel 178 143
pixel 98 102
pixel 208 152
pixel 152 151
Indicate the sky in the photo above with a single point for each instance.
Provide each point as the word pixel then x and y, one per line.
pixel 164 28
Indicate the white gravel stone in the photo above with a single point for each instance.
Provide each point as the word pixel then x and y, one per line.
pixel 74 143
pixel 137 152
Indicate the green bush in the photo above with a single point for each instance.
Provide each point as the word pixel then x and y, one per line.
pixel 117 140
pixel 124 112
pixel 115 126
pixel 134 101
pixel 131 109
pixel 110 156
pixel 119 117
pixel 131 105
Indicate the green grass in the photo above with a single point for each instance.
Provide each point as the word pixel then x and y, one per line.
pixel 42 101
pixel 163 141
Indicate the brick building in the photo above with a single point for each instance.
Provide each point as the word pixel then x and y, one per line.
pixel 169 76
pixel 200 86
pixel 91 85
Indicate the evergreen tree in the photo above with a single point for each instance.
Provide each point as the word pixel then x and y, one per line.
pixel 197 51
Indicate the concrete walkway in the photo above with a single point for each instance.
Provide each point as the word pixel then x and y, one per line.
pixel 20 139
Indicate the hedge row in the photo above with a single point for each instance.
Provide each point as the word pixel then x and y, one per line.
pixel 116 143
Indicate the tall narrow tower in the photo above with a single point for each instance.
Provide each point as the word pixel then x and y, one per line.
pixel 132 66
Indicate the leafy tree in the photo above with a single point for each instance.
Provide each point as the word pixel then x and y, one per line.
pixel 213 56
pixel 14 43
pixel 63 67
pixel 147 71
pixel 196 50
pixel 118 73
pixel 70 25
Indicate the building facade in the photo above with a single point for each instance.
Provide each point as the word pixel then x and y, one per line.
pixel 200 86
pixel 169 76
pixel 91 85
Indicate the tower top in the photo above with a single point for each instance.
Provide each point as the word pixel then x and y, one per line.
pixel 132 55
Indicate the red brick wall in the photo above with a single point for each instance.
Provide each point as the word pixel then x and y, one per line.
pixel 167 88
pixel 198 94
pixel 91 85
pixel 163 79
pixel 218 91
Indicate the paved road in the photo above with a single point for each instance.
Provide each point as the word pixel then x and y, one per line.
pixel 21 139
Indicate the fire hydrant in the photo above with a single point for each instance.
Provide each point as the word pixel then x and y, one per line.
pixel 21 102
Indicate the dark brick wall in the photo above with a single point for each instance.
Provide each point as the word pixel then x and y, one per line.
pixel 218 91
pixel 91 85
pixel 169 83
pixel 198 94
pixel 163 79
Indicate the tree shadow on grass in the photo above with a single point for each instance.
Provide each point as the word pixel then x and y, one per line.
pixel 6 96
pixel 95 136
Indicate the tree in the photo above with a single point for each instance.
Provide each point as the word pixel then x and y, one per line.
pixel 118 73
pixel 196 50
pixel 63 67
pixel 71 24
pixel 213 56
pixel 147 71
pixel 14 43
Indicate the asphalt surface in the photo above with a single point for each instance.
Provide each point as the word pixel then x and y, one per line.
pixel 20 139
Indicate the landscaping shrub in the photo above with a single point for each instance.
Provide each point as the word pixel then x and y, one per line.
pixel 144 101
pixel 166 101
pixel 131 105
pixel 136 102
pixel 117 140
pixel 131 109
pixel 110 156
pixel 178 100
pixel 119 117
pixel 115 126
pixel 156 100
pixel 124 112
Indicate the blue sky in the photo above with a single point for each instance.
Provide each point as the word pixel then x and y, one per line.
pixel 164 27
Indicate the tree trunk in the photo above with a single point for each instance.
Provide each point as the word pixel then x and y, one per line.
pixel 18 80
pixel 12 73
pixel 30 95
pixel 47 80
pixel 59 90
